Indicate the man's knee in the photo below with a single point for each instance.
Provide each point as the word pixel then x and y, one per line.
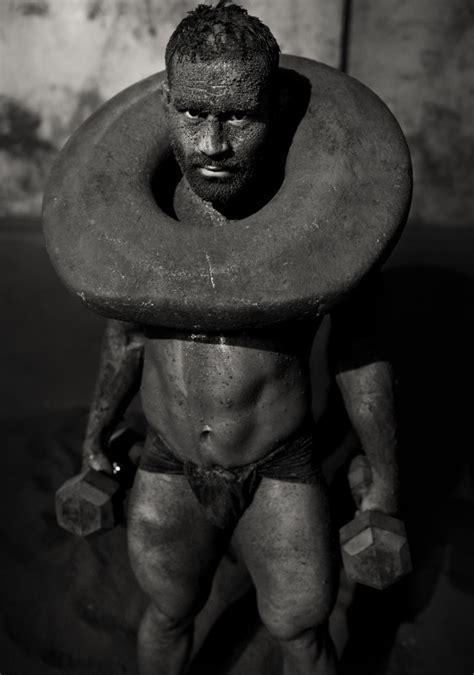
pixel 162 620
pixel 313 646
pixel 295 619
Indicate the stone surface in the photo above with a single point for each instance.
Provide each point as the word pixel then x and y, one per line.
pixel 340 209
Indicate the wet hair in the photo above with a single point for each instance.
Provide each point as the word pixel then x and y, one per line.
pixel 224 30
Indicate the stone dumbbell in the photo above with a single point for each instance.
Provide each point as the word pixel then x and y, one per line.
pixel 93 501
pixel 374 547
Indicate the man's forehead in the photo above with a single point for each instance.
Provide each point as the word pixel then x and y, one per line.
pixel 235 81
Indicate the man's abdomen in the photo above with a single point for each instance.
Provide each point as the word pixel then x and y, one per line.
pixel 224 401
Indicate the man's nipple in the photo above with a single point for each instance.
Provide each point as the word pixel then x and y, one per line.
pixel 206 432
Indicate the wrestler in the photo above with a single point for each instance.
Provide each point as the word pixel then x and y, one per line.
pixel 230 453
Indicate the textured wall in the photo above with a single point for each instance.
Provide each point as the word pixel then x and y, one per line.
pixel 60 59
pixel 418 55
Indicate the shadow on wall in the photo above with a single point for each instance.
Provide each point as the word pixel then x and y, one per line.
pixel 430 332
pixel 26 155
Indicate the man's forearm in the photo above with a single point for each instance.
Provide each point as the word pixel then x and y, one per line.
pixel 118 381
pixel 368 393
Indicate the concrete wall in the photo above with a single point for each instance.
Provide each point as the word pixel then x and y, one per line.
pixel 59 59
pixel 62 58
pixel 418 55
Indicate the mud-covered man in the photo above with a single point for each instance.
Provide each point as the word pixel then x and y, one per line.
pixel 230 454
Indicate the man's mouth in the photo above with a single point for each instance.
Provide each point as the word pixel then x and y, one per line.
pixel 211 171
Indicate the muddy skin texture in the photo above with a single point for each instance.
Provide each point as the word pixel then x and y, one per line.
pixel 220 124
pixel 218 401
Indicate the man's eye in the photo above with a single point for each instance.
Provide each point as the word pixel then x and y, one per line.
pixel 192 114
pixel 236 117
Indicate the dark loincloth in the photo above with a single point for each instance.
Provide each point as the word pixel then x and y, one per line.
pixel 224 494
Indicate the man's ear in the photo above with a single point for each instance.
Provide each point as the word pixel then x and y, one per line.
pixel 165 93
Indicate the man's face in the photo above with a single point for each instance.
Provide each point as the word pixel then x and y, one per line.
pixel 219 122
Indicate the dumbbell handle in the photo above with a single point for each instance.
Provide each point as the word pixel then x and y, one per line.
pixel 123 452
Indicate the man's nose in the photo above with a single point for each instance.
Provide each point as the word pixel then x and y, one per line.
pixel 213 141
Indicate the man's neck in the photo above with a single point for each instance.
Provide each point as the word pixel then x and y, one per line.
pixel 189 208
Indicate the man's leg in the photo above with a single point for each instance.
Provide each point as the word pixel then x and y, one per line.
pixel 174 552
pixel 286 541
pixel 231 582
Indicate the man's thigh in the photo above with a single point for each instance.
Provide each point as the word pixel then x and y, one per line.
pixel 174 550
pixel 287 542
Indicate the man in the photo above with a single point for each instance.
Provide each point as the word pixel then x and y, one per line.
pixel 230 454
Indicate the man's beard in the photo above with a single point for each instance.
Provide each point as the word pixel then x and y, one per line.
pixel 221 191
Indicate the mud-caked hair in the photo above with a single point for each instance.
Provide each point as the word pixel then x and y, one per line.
pixel 225 30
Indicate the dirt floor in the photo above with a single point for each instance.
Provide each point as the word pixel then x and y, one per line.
pixel 72 606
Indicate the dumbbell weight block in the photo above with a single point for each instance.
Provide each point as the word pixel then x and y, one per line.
pixel 375 550
pixel 90 502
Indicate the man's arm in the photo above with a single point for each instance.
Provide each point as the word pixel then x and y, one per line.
pixel 366 382
pixel 118 381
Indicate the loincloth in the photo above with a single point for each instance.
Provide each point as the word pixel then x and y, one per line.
pixel 224 494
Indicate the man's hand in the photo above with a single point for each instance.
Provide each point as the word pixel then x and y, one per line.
pixel 380 495
pixel 96 460
pixel 370 490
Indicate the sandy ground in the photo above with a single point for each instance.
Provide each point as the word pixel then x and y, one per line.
pixel 72 606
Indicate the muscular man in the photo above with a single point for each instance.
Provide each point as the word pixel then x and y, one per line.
pixel 230 452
